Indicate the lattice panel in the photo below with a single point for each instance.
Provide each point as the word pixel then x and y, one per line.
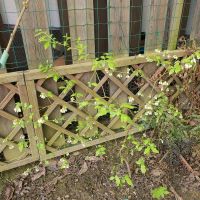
pixel 57 124
pixel 59 137
pixel 10 136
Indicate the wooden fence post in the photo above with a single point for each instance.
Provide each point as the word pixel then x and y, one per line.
pixel 34 18
pixel 175 21
pixel 156 25
pixel 118 42
pixel 195 34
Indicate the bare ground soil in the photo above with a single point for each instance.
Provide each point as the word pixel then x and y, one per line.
pixel 88 178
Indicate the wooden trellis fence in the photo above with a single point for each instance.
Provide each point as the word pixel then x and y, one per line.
pixel 103 26
pixel 27 87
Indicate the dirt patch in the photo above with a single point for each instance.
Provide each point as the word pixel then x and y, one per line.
pixel 87 178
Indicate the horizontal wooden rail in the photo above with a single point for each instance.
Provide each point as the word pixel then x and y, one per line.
pixel 87 66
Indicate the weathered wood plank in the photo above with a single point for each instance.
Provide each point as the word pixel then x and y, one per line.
pixel 29 127
pixel 31 91
pixel 156 25
pixel 195 33
pixel 25 161
pixel 34 18
pixel 118 41
pixel 118 26
pixel 176 13
pixel 81 22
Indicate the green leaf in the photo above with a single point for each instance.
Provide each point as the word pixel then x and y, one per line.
pixel 22 144
pixel 154 149
pixel 100 151
pixel 47 45
pixel 128 180
pixel 83 104
pixel 55 77
pixel 125 118
pixel 147 151
pixel 159 193
pixel 141 163
pixel 117 180
pixel 102 110
pixel 127 105
pixel 41 146
pixel 143 169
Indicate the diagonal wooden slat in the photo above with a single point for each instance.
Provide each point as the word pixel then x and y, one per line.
pixel 73 109
pixel 62 95
pixel 113 97
pixel 6 99
pixel 7 115
pixel 115 80
pixel 40 82
pixel 140 91
pixel 12 87
pixel 53 106
pixel 4 143
pixel 126 90
pixel 2 164
pixel 11 135
pixel 57 134
pixel 116 94
pixel 84 87
pixel 59 128
pixel 70 119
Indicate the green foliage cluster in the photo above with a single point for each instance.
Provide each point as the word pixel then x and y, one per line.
pixel 160 192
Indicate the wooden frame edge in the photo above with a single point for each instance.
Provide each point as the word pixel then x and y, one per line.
pixel 87 66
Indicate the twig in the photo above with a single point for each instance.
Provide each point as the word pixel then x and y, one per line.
pixel 175 193
pixel 165 155
pixel 25 6
pixel 188 167
pixel 128 168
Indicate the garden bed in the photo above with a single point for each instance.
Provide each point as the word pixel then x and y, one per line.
pixel 87 178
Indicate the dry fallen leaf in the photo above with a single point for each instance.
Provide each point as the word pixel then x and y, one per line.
pixel 83 169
